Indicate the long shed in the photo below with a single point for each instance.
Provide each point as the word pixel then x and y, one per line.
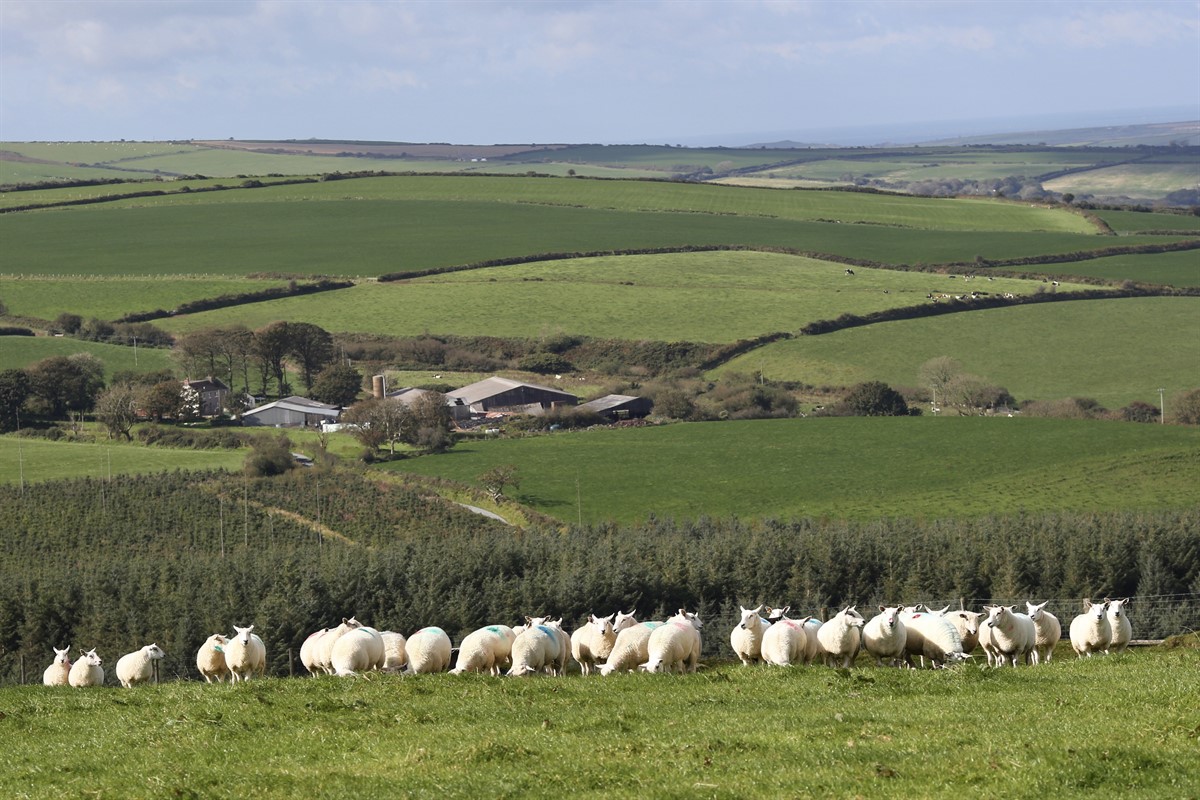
pixel 504 394
pixel 292 412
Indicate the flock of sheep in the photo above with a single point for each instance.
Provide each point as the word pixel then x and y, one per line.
pixel 619 643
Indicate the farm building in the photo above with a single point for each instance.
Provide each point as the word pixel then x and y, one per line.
pixel 408 396
pixel 619 406
pixel 211 393
pixel 291 412
pixel 503 394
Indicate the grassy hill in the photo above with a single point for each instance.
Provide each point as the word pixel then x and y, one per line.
pixel 20 351
pixel 41 460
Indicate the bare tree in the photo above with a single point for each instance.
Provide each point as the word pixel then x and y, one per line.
pixel 116 408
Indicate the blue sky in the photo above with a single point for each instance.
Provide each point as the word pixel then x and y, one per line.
pixel 585 71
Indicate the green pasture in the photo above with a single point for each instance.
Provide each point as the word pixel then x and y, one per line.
pixel 839 467
pixel 1115 351
pixel 14 172
pixel 1137 221
pixel 96 152
pixel 63 194
pixel 1179 268
pixel 17 352
pixel 1121 726
pixel 43 460
pixel 1130 180
pixel 704 297
pixel 658 158
pixel 112 297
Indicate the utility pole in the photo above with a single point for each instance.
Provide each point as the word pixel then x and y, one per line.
pixel 1162 407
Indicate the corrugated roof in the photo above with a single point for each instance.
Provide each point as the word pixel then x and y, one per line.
pixel 301 404
pixel 490 387
pixel 607 402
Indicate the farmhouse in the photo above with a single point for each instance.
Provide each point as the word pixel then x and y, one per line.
pixel 291 412
pixel 614 407
pixel 503 394
pixel 211 393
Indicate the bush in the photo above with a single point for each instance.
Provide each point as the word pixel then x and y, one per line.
pixel 1137 411
pixel 1185 407
pixel 545 363
pixel 875 399
pixel 270 456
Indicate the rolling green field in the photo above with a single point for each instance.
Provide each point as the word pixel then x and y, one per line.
pixel 726 732
pixel 665 297
pixel 838 467
pixel 1145 181
pixel 1136 221
pixel 1109 350
pixel 42 460
pixel 1180 268
pixel 112 297
pixel 17 352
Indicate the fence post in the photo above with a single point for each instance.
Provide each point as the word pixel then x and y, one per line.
pixel 22 659
pixel 291 665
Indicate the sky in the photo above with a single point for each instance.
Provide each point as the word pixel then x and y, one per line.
pixel 606 71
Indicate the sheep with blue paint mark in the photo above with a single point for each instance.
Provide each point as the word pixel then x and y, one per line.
pixel 428 651
pixel 359 650
pixel 535 650
pixel 675 646
pixel 485 650
pixel 630 649
pixel 210 659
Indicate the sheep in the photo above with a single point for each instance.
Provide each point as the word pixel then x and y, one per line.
pixel 559 665
pixel 395 657
pixel 967 625
pixel 323 647
pixel 1012 634
pixel 885 636
pixel 245 654
pixel 428 651
pixel 359 650
pixel 675 646
pixel 1048 630
pixel 630 649
pixel 138 666
pixel 86 671
pixel 210 659
pixel 57 673
pixel 485 650
pixel 747 636
pixel 1118 621
pixel 775 614
pixel 841 636
pixel 592 643
pixel 308 652
pixel 786 642
pixel 814 651
pixel 1091 631
pixel 931 637
pixel 534 650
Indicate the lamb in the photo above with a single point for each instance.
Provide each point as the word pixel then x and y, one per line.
pixel 747 636
pixel 630 649
pixel 210 659
pixel 485 650
pixel 86 671
pixel 57 673
pixel 534 650
pixel 841 637
pixel 308 651
pixel 593 642
pixel 1012 634
pixel 245 654
pixel 1118 621
pixel 138 666
pixel 967 625
pixel 428 651
pixel 931 637
pixel 885 636
pixel 1091 631
pixel 323 647
pixel 1048 630
pixel 395 657
pixel 359 650
pixel 675 646
pixel 786 642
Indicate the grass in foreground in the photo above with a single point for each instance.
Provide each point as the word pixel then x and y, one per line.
pixel 839 467
pixel 1122 726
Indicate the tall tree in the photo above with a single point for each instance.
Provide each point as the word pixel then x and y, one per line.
pixel 14 389
pixel 313 348
pixel 116 408
pixel 66 383
pixel 338 384
pixel 271 345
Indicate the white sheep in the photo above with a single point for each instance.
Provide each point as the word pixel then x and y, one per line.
pixel 59 670
pixel 814 652
pixel 841 636
pixel 1091 631
pixel 138 666
pixel 359 650
pixel 428 651
pixel 395 656
pixel 931 637
pixel 308 651
pixel 967 625
pixel 210 659
pixel 787 642
pixel 885 636
pixel 485 650
pixel 675 646
pixel 1048 630
pixel 323 647
pixel 1011 634
pixel 534 650
pixel 630 649
pixel 559 667
pixel 592 643
pixel 747 636
pixel 1118 621
pixel 86 671
pixel 245 655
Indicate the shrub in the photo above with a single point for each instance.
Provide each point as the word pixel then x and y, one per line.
pixel 270 456
pixel 1138 411
pixel 1185 407
pixel 875 399
pixel 544 363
